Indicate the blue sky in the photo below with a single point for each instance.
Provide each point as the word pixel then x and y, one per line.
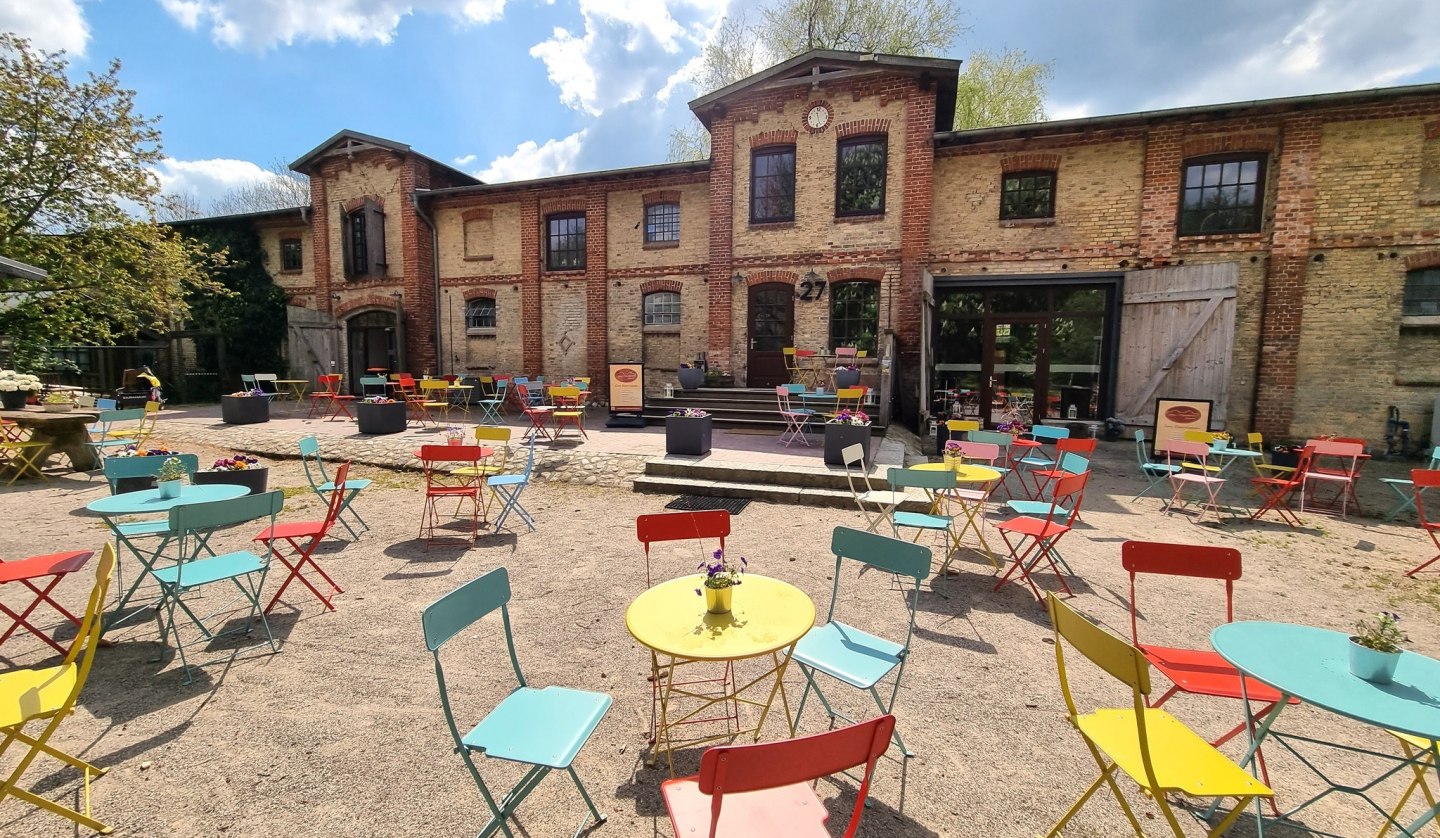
pixel 510 89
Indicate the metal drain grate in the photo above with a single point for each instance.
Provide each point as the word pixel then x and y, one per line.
pixel 696 503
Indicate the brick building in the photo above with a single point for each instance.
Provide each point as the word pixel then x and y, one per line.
pixel 1279 258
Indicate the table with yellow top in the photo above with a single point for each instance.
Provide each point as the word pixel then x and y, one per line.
pixel 294 387
pixel 767 618
pixel 971 502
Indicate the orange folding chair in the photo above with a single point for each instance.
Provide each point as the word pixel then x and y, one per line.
pixel 1425 478
pixel 327 400
pixel 764 790
pixel 301 555
pixel 1039 536
pixel 1041 477
pixel 1197 671
pixel 29 572
pixel 1275 492
pixel 441 484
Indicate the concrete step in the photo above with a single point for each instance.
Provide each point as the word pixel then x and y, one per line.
pixel 795 495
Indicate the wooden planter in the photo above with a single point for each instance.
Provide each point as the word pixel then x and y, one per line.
pixel 381 418
pixel 244 410
pixel 839 437
pixel 687 435
pixel 254 479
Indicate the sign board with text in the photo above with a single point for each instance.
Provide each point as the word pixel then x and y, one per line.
pixel 627 388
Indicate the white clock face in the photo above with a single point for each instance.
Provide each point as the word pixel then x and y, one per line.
pixel 818 117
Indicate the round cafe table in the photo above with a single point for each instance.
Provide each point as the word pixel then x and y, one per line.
pixel 766 617
pixel 973 508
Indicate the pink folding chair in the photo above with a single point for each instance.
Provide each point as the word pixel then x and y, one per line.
pixel 794 419
pixel 1177 453
pixel 1344 477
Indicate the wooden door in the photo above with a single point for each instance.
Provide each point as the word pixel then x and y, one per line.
pixel 771 316
pixel 1177 331
pixel 313 345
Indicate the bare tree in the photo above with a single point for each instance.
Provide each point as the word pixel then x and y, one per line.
pixel 279 188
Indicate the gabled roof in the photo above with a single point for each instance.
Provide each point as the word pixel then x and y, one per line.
pixel 10 267
pixel 354 141
pixel 821 65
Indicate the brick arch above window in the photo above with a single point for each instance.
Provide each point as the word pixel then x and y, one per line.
pixel 855 274
pixel 1262 142
pixel 1422 261
pixel 664 196
pixel 356 203
pixel 558 205
pixel 477 215
pixel 1029 163
pixel 768 138
pixel 479 294
pixel 763 277
pixel 861 127
pixel 349 307
pixel 655 285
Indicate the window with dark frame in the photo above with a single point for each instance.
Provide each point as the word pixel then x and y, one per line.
pixel 480 314
pixel 364 250
pixel 565 242
pixel 1027 195
pixel 855 314
pixel 662 308
pixel 1422 293
pixel 292 258
pixel 772 184
pixel 662 223
pixel 860 176
pixel 1222 195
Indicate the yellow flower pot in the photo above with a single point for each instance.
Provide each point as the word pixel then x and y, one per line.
pixel 717 600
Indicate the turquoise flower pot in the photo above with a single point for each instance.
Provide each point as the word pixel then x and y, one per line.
pixel 1370 665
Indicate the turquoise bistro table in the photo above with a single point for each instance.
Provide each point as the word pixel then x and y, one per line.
pixel 1313 665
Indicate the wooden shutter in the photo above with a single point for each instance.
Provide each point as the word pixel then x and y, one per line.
pixel 375 238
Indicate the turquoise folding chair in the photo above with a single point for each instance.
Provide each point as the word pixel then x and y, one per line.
pixel 507 489
pixel 322 485
pixel 1157 474
pixel 106 427
pixel 542 728
pixel 195 523
pixel 847 654
pixel 492 405
pixel 935 484
pixel 372 385
pixel 1406 488
pixel 119 468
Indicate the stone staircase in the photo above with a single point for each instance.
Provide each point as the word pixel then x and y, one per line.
pixel 731 407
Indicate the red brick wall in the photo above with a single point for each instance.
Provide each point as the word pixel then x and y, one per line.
pixel 597 290
pixel 418 282
pixel 533 330
pixel 918 203
pixel 722 194
pixel 320 242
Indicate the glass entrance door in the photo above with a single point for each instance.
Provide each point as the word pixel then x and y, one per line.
pixel 1014 371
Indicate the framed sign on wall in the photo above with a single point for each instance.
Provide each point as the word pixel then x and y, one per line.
pixel 1173 417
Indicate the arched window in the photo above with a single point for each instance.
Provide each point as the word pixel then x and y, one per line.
pixel 662 308
pixel 480 316
pixel 855 314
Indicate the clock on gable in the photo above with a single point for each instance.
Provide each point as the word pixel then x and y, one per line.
pixel 817 117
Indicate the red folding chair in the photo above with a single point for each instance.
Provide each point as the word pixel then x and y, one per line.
pixel 1039 536
pixel 28 572
pixel 301 555
pixel 327 400
pixel 441 484
pixel 764 790
pixel 1197 671
pixel 1040 478
pixel 1423 478
pixel 1275 491
pixel 539 415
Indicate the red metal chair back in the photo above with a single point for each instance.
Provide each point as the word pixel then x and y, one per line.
pixel 329 384
pixel 1075 445
pixel 1192 560
pixel 681 526
pixel 1424 478
pixel 337 498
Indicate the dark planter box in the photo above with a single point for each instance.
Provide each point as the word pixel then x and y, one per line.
pixel 847 378
pixel 1287 459
pixel 244 410
pixel 14 399
pixel 691 378
pixel 686 435
pixel 381 418
pixel 254 479
pixel 839 437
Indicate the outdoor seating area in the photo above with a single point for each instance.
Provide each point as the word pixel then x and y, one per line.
pixel 689 668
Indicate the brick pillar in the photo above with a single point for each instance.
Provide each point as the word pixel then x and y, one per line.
pixel 320 241
pixel 722 209
pixel 597 292
pixel 916 205
pixel 532 331
pixel 418 277
pixel 1285 275
pixel 1160 192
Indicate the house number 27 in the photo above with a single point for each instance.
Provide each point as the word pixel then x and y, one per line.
pixel 811 289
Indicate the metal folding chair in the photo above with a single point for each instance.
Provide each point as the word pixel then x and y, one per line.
pixel 1155 473
pixel 886 500
pixel 1275 492
pixel 568 410
pixel 301 555
pixel 507 489
pixel 1040 536
pixel 681 526
pixel 440 484
pixel 794 419
pixel 23 458
pixel 1425 479
pixel 1405 489
pixel 322 485
pixel 1182 454
pixel 29 572
pixel 114 431
pixel 540 728
pixel 492 403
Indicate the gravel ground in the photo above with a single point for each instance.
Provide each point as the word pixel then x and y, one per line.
pixel 342 732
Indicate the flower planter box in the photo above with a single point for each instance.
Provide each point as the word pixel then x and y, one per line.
pixel 1288 459
pixel 687 435
pixel 244 410
pixel 380 418
pixel 847 378
pixel 691 378
pixel 839 437
pixel 13 399
pixel 256 480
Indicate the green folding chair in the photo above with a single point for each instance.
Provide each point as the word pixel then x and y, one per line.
pixel 107 431
pixel 542 728
pixel 322 485
pixel 195 523
pixel 1405 489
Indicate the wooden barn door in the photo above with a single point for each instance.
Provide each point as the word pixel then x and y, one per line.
pixel 1177 330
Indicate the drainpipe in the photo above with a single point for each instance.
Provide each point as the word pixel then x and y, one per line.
pixel 435 266
pixel 1260 344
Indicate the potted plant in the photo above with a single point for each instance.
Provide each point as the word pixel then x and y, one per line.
pixel 720 580
pixel 687 431
pixel 952 453
pixel 844 429
pixel 57 401
pixel 170 477
pixel 1285 454
pixel 847 376
pixel 138 484
pixel 454 434
pixel 239 470
pixel 16 388
pixel 1375 648
pixel 247 407
pixel 379 415
pixel 691 377
pixel 715 377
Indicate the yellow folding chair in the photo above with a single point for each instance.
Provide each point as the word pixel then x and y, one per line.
pixel 1157 751
pixel 1413 746
pixel 144 429
pixel 49 694
pixel 22 458
pixel 434 396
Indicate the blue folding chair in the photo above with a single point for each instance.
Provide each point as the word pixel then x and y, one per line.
pixel 118 468
pixel 322 485
pixel 542 728
pixel 507 489
pixel 110 430
pixel 195 523
pixel 1406 488
pixel 492 404
pixel 1157 474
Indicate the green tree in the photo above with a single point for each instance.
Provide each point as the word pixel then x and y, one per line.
pixel 1008 89
pixel 77 199
pixel 251 318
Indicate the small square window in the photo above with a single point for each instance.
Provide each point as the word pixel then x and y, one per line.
pixel 662 308
pixel 662 223
pixel 292 258
pixel 1422 293
pixel 1222 195
pixel 565 242
pixel 480 315
pixel 1027 195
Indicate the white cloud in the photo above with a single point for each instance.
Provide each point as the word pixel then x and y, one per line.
pixel 1068 110
pixel 205 180
pixel 50 25
pixel 261 24
pixel 464 160
pixel 555 157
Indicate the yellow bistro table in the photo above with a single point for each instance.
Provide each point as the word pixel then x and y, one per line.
pixel 973 508
pixel 294 387
pixel 767 616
